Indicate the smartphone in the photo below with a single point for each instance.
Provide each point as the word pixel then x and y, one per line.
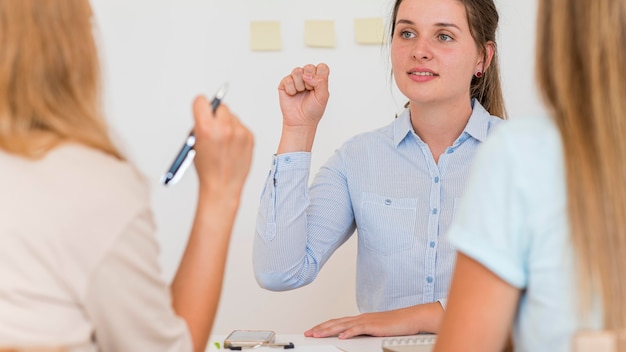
pixel 249 338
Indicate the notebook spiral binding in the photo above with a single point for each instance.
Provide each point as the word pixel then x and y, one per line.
pixel 412 340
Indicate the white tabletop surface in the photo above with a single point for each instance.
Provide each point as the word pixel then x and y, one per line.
pixel 309 344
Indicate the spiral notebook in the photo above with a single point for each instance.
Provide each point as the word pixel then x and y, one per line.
pixel 418 343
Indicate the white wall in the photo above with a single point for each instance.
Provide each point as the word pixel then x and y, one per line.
pixel 158 54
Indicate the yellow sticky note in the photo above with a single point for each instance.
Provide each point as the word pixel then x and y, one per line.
pixel 369 31
pixel 265 36
pixel 319 34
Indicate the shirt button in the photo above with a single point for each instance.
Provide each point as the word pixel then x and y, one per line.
pixel 435 211
pixel 432 244
pixel 429 279
pixel 288 159
pixel 387 201
pixel 437 179
pixel 450 151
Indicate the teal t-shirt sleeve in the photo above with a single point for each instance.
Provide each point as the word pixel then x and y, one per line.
pixel 489 225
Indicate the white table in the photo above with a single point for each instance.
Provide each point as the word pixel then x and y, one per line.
pixel 307 344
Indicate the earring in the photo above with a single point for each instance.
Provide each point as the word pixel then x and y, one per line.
pixel 478 74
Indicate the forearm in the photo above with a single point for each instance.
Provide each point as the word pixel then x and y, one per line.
pixel 296 139
pixel 423 317
pixel 431 317
pixel 474 287
pixel 197 286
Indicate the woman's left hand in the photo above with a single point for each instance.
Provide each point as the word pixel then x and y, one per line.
pixel 399 322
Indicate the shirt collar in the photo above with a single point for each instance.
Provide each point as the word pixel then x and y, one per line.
pixel 402 127
pixel 477 125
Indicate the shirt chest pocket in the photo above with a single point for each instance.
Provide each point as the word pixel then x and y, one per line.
pixel 387 224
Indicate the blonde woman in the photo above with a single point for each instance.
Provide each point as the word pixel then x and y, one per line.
pixel 78 254
pixel 542 232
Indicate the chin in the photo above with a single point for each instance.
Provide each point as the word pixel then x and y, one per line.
pixel 423 99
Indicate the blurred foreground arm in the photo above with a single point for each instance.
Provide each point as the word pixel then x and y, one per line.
pixel 480 311
pixel 223 156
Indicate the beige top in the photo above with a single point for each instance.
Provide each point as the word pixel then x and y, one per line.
pixel 79 257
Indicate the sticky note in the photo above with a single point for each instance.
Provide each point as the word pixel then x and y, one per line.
pixel 369 31
pixel 265 36
pixel 319 34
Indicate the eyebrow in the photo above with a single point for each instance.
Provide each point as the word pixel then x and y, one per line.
pixel 438 24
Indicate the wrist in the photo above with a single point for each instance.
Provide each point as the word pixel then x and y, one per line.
pixel 429 317
pixel 296 139
pixel 218 199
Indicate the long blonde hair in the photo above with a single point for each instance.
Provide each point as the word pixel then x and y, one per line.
pixel 581 71
pixel 49 78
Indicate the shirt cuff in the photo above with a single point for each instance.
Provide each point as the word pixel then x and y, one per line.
pixel 296 160
pixel 443 302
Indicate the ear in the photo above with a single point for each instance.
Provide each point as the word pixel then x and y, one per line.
pixel 485 59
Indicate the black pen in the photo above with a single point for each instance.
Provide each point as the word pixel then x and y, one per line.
pixel 185 156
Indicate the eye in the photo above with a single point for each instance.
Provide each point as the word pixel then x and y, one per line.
pixel 407 34
pixel 444 37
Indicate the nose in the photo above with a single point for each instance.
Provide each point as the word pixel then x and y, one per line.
pixel 421 49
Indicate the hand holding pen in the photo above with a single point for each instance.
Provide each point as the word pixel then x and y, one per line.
pixel 223 151
pixel 187 153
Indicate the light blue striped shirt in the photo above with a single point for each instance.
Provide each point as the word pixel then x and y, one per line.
pixel 387 186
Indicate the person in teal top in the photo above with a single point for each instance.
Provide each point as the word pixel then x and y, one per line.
pixel 541 233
